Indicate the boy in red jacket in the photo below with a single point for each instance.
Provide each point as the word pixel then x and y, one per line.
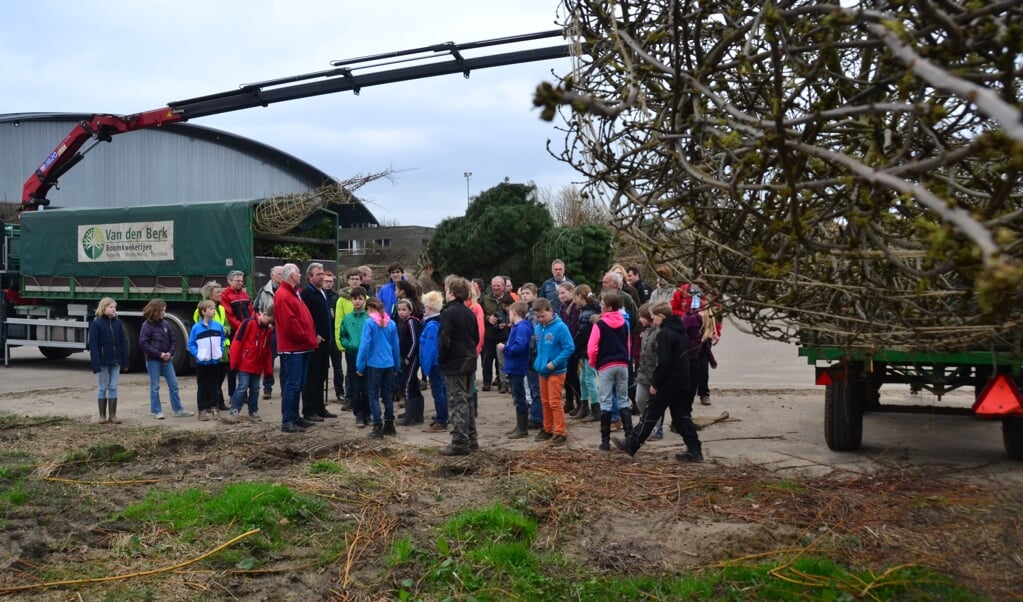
pixel 251 358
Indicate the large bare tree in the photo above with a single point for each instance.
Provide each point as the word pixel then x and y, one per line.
pixel 845 174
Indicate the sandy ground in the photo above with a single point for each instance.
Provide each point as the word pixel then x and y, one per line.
pixel 775 414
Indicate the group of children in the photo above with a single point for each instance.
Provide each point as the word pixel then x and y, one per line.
pixel 596 340
pixel 588 342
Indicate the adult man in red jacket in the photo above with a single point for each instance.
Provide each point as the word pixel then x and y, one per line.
pixel 296 340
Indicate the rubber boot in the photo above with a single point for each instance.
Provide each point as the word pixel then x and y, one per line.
pixel 102 410
pixel 595 413
pixel 389 428
pixel 627 424
pixel 605 431
pixel 521 427
pixel 112 405
pixel 413 412
pixel 583 411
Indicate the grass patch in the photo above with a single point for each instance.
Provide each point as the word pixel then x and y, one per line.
pixel 107 453
pixel 325 467
pixel 237 508
pixel 487 554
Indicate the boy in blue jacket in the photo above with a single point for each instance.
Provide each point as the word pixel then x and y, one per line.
pixel 206 344
pixel 516 365
pixel 554 349
pixel 433 301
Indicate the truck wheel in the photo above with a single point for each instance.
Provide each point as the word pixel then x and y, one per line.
pixel 181 326
pixel 1012 435
pixel 843 416
pixel 56 353
pixel 136 359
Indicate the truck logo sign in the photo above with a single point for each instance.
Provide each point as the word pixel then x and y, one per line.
pixel 92 243
pixel 129 241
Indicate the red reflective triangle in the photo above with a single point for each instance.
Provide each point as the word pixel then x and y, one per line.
pixel 1001 397
pixel 824 378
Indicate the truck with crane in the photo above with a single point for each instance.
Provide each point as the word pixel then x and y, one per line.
pixel 57 263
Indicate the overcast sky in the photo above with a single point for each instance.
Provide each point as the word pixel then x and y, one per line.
pixel 126 57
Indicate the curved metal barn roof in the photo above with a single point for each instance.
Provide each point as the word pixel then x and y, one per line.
pixel 177 163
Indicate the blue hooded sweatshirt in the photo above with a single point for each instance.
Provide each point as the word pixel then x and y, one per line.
pixel 379 345
pixel 516 350
pixel 553 345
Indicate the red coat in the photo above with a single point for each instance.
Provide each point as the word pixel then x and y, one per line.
pixel 237 306
pixel 294 323
pixel 250 350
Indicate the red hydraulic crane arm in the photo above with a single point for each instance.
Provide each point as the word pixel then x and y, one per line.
pixel 342 77
pixel 68 153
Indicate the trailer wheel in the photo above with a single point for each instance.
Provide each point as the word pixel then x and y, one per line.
pixel 56 353
pixel 136 359
pixel 1012 435
pixel 843 416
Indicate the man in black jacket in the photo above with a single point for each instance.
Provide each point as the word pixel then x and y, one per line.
pixel 314 406
pixel 669 388
pixel 456 354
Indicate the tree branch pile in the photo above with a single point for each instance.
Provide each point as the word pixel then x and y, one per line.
pixel 845 175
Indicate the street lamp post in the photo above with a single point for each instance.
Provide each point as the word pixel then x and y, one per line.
pixel 467 175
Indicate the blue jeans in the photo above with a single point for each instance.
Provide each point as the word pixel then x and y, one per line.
pixel 535 403
pixel 439 390
pixel 156 369
pixel 108 377
pixel 517 384
pixel 379 384
pixel 613 384
pixel 248 383
pixel 293 370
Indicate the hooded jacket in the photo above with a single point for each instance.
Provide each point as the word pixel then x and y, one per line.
pixel 108 345
pixel 553 345
pixel 428 340
pixel 673 351
pixel 250 351
pixel 609 343
pixel 516 350
pixel 379 346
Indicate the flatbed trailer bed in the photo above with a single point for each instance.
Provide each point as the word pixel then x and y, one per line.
pixel 853 381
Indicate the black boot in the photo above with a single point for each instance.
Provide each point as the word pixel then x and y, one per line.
pixel 584 409
pixel 569 406
pixel 594 413
pixel 521 427
pixel 389 428
pixel 413 412
pixel 102 410
pixel 605 431
pixel 112 407
pixel 377 432
pixel 627 424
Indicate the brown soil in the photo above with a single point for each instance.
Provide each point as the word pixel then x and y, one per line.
pixel 651 515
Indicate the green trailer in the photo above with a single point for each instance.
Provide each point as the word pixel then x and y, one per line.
pixel 62 261
pixel 853 381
